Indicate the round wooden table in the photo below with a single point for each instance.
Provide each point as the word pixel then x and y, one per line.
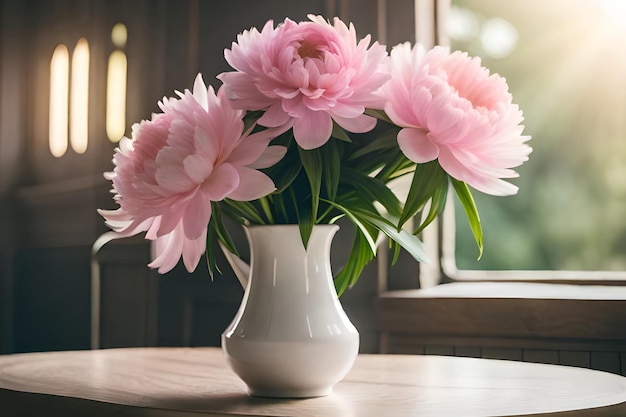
pixel 178 382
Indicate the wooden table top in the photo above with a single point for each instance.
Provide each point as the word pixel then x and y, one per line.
pixel 177 382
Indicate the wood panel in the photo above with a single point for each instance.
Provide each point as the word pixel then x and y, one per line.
pixel 541 356
pixel 595 357
pixel 606 361
pixel 8 238
pixel 575 358
pixel 504 342
pixel 467 351
pixel 52 299
pixel 14 35
pixel 193 309
pixel 128 294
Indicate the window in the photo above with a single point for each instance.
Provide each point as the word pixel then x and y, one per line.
pixel 566 68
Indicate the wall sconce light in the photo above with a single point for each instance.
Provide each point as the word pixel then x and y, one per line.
pixel 116 86
pixel 58 111
pixel 69 99
pixel 79 97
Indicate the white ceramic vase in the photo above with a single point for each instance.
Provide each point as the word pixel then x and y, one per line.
pixel 291 337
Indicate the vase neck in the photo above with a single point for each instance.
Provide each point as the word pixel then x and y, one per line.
pixel 279 260
pixel 281 238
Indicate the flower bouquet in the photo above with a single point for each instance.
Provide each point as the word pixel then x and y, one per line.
pixel 312 125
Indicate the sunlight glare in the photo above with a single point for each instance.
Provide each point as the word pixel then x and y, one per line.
pixel 616 10
pixel 498 37
pixel 462 24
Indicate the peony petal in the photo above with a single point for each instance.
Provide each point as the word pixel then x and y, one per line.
pixel 168 249
pixel 272 155
pixel 197 168
pixel 223 180
pixel 274 116
pixel 417 146
pixel 486 184
pixel 243 92
pixel 173 179
pixel 193 249
pixel 124 224
pixel 254 184
pixel 443 116
pixel 170 220
pixel 312 130
pixel 200 91
pixel 251 148
pixel 360 124
pixel 196 217
pixel 206 144
pixel 152 232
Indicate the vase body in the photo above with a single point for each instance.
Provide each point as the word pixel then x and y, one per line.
pixel 291 337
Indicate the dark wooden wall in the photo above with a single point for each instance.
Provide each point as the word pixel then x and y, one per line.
pixel 48 219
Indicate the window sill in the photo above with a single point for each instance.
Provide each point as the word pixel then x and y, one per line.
pixel 516 316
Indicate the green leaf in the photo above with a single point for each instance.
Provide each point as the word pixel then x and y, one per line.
pixel 371 189
pixel 284 173
pixel 331 155
pixel 360 256
pixel 408 241
pixel 381 143
pixel 244 209
pixel 362 227
pixel 379 114
pixel 426 179
pixel 303 217
pixel 396 165
pixel 278 201
pixel 216 230
pixel 220 230
pixel 250 119
pixel 312 163
pixel 340 134
pixel 210 250
pixel 396 251
pixel 467 201
pixel 267 210
pixel 437 204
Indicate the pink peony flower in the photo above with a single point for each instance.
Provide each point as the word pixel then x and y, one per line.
pixel 452 110
pixel 306 75
pixel 193 153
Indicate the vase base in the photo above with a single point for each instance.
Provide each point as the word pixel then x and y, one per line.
pixel 297 393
